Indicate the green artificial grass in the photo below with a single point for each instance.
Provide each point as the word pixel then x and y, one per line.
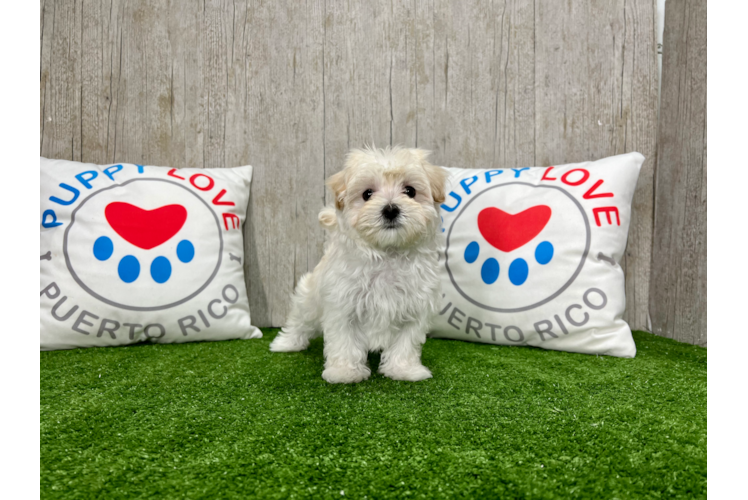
pixel 232 420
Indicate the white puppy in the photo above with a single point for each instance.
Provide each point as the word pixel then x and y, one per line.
pixel 377 284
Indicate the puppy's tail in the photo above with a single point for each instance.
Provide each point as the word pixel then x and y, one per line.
pixel 328 219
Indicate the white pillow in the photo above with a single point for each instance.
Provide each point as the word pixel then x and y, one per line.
pixel 131 253
pixel 531 256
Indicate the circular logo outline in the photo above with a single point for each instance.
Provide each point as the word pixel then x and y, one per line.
pixel 557 292
pixel 135 308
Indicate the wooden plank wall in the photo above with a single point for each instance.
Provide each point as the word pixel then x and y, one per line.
pixel 288 87
pixel 678 287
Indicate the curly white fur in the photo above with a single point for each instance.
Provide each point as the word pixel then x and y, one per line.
pixel 377 284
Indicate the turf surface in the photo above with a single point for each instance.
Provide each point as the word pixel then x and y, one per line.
pixel 230 419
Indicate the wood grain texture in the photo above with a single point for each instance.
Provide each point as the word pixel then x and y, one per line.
pixel 289 87
pixel 678 296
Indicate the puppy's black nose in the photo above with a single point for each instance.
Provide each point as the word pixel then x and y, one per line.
pixel 390 212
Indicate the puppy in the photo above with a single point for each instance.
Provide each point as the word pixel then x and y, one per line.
pixel 377 284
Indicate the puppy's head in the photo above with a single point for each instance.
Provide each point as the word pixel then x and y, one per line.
pixel 389 197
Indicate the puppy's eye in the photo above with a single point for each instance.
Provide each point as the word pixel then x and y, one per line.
pixel 410 192
pixel 367 194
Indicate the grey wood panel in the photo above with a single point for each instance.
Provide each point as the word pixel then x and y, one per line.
pixel 289 87
pixel 678 299
pixel 60 83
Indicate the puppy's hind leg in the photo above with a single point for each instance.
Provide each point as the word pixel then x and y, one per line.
pixel 302 323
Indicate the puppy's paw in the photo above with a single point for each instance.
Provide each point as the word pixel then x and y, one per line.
pixel 286 342
pixel 346 375
pixel 408 373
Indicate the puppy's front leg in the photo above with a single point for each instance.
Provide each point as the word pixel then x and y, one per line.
pixel 346 351
pixel 401 360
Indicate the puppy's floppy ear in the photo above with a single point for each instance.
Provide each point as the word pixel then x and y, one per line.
pixel 420 155
pixel 336 183
pixel 327 218
pixel 437 176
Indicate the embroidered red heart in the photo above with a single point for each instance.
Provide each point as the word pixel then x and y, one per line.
pixel 508 232
pixel 145 229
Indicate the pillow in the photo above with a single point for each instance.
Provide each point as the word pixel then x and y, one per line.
pixel 531 256
pixel 131 253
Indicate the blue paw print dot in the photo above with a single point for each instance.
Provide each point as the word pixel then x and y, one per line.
pixel 128 269
pixel 471 252
pixel 160 269
pixel 518 271
pixel 544 252
pixel 489 272
pixel 185 251
pixel 103 248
